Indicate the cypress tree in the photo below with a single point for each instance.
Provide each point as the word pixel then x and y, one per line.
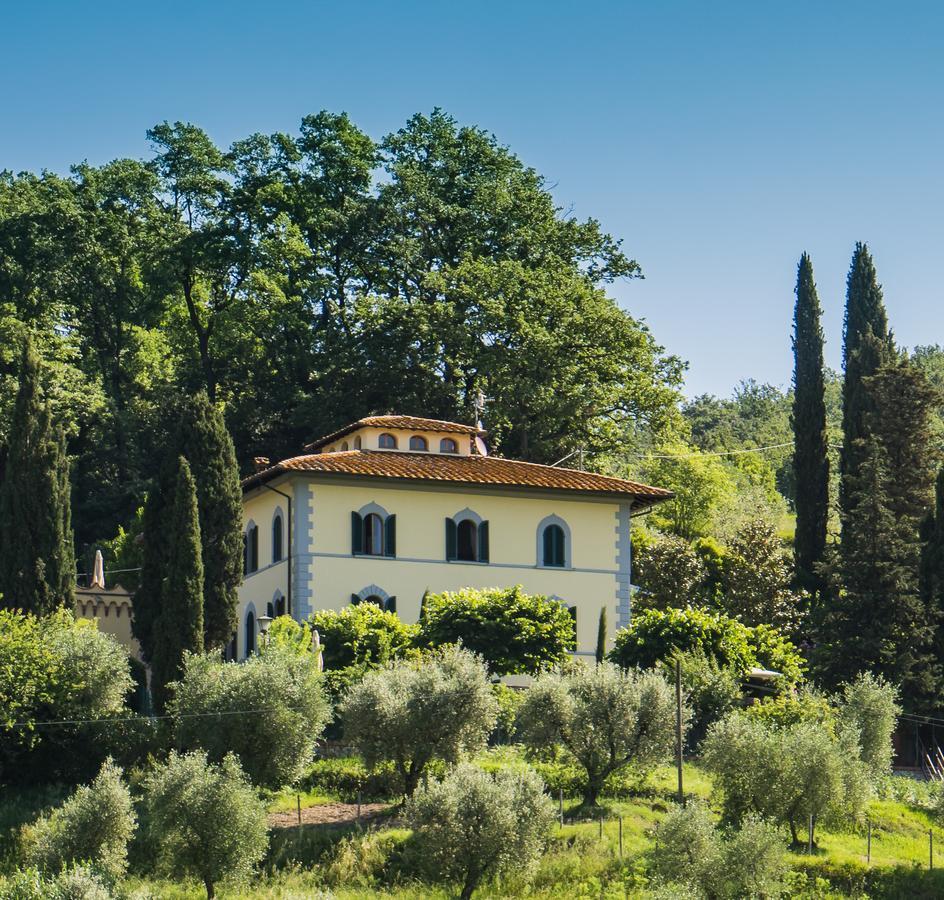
pixel 37 555
pixel 866 345
pixel 179 626
pixel 810 440
pixel 201 437
pixel 881 619
pixel 601 636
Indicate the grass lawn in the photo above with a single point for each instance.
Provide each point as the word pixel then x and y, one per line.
pixel 349 863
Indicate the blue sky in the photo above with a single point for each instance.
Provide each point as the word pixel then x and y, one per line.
pixel 717 140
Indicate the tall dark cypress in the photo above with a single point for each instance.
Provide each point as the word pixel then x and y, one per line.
pixel 179 625
pixel 601 636
pixel 810 439
pixel 866 345
pixel 202 439
pixel 880 619
pixel 37 555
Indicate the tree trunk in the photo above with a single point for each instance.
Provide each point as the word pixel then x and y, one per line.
pixel 469 885
pixel 592 791
pixel 208 884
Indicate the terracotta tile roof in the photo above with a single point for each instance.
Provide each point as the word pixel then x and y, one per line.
pixel 411 423
pixel 483 470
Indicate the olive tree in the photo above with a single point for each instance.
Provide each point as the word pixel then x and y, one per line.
pixel 785 773
pixel 205 820
pixel 473 825
pixel 605 718
pixel 414 711
pixel 727 864
pixel 868 708
pixel 268 710
pixel 94 826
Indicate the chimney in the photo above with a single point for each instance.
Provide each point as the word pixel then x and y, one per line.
pixel 260 463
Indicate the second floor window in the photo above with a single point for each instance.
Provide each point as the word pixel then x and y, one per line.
pixel 251 554
pixel 373 534
pixel 554 546
pixel 466 540
pixel 418 442
pixel 277 539
pixel 387 442
pixel 448 445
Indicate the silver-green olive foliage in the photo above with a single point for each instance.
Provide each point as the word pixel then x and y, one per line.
pixel 269 711
pixel 473 825
pixel 94 826
pixel 605 718
pixel 414 711
pixel 205 820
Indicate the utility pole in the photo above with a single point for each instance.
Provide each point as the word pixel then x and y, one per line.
pixel 678 728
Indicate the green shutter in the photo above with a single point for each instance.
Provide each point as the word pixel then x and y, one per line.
pixel 355 599
pixel 390 536
pixel 547 557
pixel 451 539
pixel 483 542
pixel 254 548
pixel 357 533
pixel 391 604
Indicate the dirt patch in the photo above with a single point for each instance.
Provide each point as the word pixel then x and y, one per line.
pixel 328 814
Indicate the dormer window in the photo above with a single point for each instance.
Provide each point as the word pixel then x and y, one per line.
pixel 418 442
pixel 448 445
pixel 344 447
pixel 387 442
pixel 357 443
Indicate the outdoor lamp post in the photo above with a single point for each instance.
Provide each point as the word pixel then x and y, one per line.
pixel 264 623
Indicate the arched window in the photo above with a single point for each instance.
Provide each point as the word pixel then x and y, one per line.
pixel 418 442
pixel 467 537
pixel 344 446
pixel 270 610
pixel 448 445
pixel 250 633
pixel 387 442
pixel 277 538
pixel 373 535
pixel 554 543
pixel 373 531
pixel 467 540
pixel 251 556
pixel 357 443
pixel 229 654
pixel 279 602
pixel 376 595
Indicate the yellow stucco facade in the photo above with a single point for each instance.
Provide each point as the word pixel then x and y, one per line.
pixel 325 570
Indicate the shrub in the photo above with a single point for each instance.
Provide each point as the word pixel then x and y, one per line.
pixel 414 711
pixel 57 668
pixel 605 719
pixel 711 691
pixel 657 635
pixel 869 710
pixel 471 825
pixel 514 632
pixel 362 634
pixel 77 883
pixel 509 702
pixel 806 705
pixel 785 773
pixel 687 847
pixel 747 862
pixel 93 826
pixel 204 819
pixel 268 710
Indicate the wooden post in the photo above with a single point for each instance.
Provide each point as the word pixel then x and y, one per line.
pixel 561 807
pixel 809 849
pixel 298 806
pixel 621 837
pixel 678 728
pixel 358 809
pixel 931 849
pixel 601 827
pixel 868 846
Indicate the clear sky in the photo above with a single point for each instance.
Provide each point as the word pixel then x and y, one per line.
pixel 718 140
